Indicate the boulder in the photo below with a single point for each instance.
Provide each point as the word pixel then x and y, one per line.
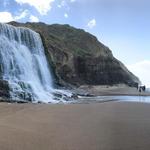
pixel 4 89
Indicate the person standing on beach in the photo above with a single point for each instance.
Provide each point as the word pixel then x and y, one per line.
pixel 140 89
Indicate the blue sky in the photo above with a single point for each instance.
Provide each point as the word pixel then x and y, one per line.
pixel 122 25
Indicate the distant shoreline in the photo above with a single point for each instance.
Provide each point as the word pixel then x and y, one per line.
pixel 116 90
pixel 93 92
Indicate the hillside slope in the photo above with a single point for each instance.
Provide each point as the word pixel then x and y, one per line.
pixel 78 58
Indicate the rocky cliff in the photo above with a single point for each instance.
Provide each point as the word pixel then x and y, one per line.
pixel 78 58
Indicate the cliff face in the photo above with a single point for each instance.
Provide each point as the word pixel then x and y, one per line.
pixel 78 58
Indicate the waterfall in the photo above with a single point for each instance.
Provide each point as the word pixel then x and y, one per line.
pixel 23 64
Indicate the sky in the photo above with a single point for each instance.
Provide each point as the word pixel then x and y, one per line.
pixel 122 25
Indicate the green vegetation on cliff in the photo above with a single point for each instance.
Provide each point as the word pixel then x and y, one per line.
pixel 78 58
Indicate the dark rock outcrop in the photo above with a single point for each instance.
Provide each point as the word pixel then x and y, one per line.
pixel 4 89
pixel 78 58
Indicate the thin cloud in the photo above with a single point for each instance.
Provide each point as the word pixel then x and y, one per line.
pixel 72 1
pixel 22 15
pixel 7 16
pixel 34 18
pixel 66 15
pixel 64 4
pixel 42 6
pixel 92 23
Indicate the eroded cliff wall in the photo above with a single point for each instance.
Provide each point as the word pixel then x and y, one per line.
pixel 79 58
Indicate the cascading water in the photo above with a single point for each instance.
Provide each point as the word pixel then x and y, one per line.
pixel 23 64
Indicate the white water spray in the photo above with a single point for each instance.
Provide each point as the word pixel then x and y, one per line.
pixel 23 64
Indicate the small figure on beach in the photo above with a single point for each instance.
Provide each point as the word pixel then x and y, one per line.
pixel 142 88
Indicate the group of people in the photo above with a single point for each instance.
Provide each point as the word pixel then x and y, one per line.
pixel 141 88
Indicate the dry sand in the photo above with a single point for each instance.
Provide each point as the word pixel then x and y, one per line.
pixel 104 126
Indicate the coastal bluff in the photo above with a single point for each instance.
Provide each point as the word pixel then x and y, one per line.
pixel 78 58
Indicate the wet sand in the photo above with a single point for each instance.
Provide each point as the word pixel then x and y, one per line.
pixel 101 126
pixel 120 89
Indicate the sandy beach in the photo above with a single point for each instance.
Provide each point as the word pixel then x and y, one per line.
pixel 99 126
